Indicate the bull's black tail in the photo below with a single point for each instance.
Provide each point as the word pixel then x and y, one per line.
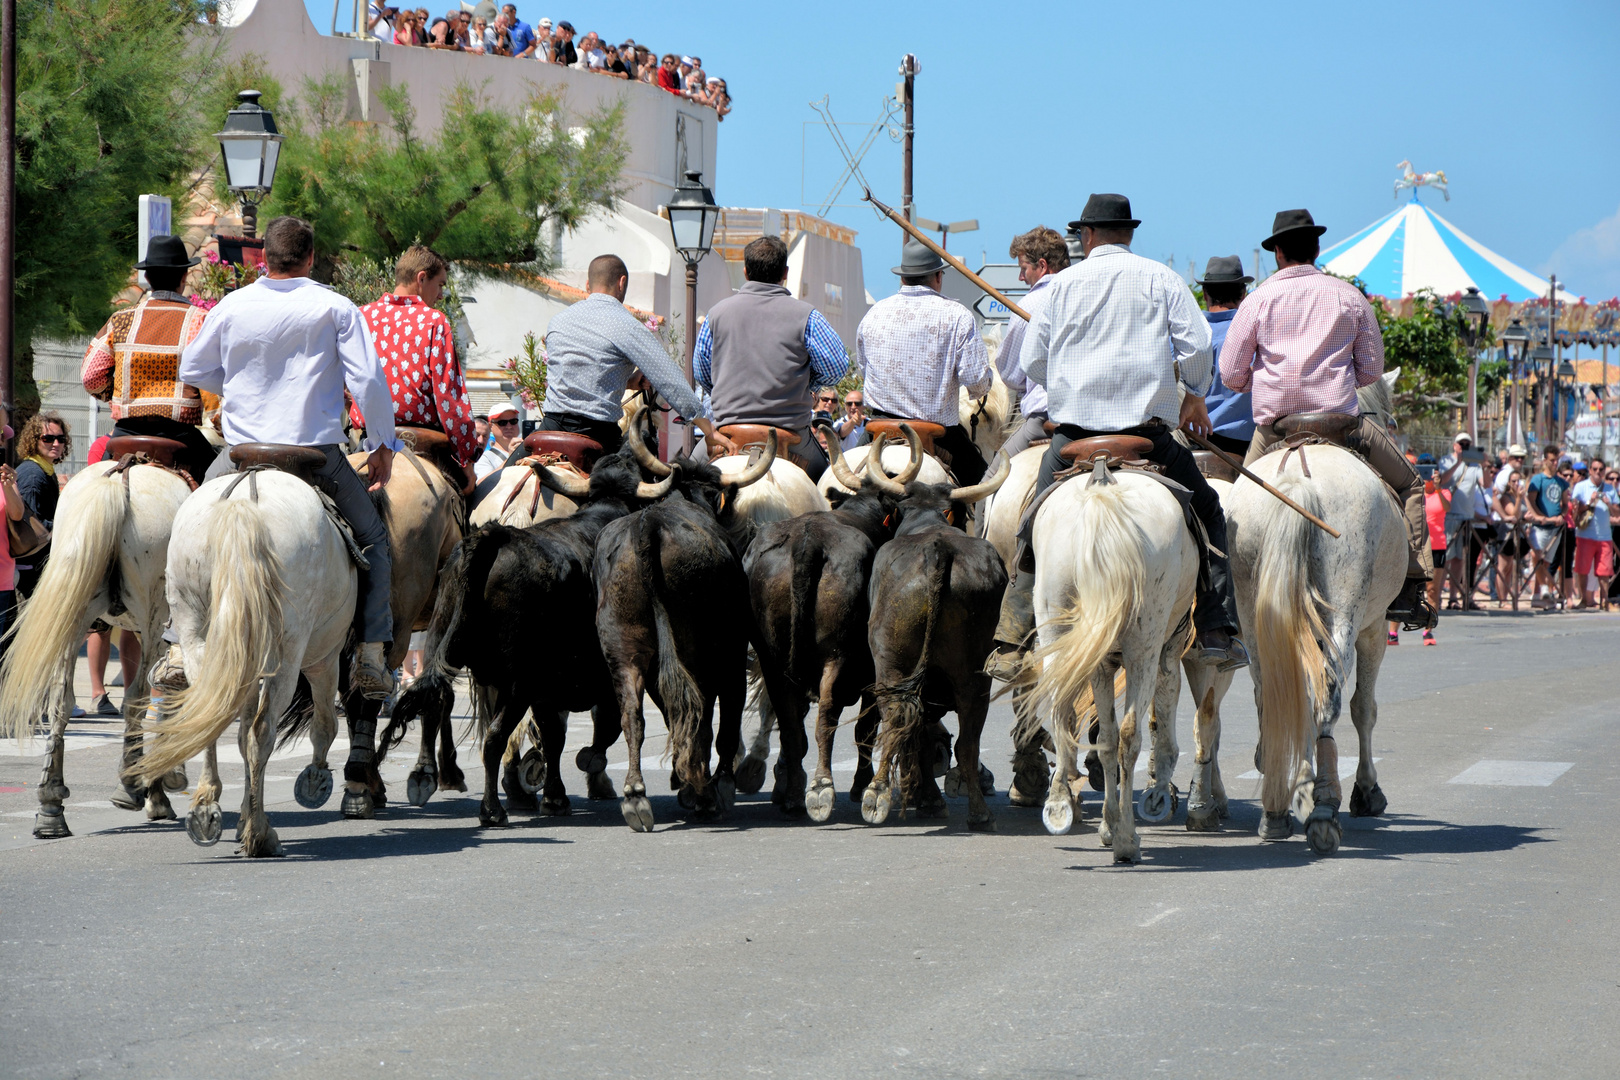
pixel 904 715
pixel 808 560
pixel 461 589
pixel 678 691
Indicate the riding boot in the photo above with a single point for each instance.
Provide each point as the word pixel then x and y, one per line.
pixel 1411 608
pixel 1016 627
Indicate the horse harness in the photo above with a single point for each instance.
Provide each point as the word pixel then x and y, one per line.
pixel 300 461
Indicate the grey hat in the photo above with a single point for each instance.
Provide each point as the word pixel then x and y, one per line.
pixel 918 260
pixel 1225 270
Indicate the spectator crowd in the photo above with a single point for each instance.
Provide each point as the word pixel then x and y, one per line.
pixel 487 32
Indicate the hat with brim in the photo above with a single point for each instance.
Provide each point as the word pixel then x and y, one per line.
pixel 1291 221
pixel 1517 450
pixel 502 410
pixel 1106 212
pixel 918 260
pixel 166 253
pixel 1225 270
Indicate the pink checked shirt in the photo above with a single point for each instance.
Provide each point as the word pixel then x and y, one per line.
pixel 1302 342
pixel 418 354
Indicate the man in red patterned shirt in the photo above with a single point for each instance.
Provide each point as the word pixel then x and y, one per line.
pixel 418 352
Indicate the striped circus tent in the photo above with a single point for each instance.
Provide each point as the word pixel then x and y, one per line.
pixel 1415 248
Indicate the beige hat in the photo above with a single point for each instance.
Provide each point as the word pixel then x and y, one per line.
pixel 1463 436
pixel 1518 450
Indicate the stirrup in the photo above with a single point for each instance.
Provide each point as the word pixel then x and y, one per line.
pixel 1420 616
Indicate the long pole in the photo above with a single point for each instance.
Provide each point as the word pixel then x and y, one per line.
pixel 918 234
pixel 1239 466
pixel 691 348
pixel 8 194
pixel 908 68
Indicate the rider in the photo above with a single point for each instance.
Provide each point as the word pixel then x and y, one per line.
pixel 1231 414
pixel 1041 253
pixel 280 352
pixel 1304 342
pixel 761 350
pixel 1108 344
pixel 134 362
pixel 914 350
pixel 414 341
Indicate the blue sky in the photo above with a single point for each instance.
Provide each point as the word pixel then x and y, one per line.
pixel 1209 117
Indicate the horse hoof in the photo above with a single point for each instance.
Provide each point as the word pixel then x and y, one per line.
pixel 589 760
pixel 1058 816
pixel 751 776
pixel 1207 821
pixel 981 823
pixel 452 778
pixel 819 803
pixel 1367 804
pixel 1324 834
pixel 1276 826
pixel 531 773
pixel 421 784
pixel 953 783
pixel 637 811
pixel 50 826
pixel 491 816
pixel 205 824
pixel 725 794
pixel 1127 854
pixel 1155 806
pixel 1094 771
pixel 558 806
pixel 175 779
pixel 359 805
pixel 1016 797
pixel 987 781
pixel 599 787
pixel 876 804
pixel 159 809
pixel 518 799
pixel 313 787
pixel 686 796
pixel 129 798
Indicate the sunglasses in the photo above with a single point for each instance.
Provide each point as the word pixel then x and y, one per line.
pixel 505 423
pixel 53 438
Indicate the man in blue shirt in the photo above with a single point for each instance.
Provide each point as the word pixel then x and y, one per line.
pixel 1231 416
pixel 1546 515
pixel 522 33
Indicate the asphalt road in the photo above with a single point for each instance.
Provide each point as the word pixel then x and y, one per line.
pixel 1470 932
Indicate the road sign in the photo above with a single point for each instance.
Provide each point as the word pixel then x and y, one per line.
pixel 992 310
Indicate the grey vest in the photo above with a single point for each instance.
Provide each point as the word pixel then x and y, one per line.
pixel 760 368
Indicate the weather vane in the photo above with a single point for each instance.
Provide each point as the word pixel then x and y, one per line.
pixel 1415 180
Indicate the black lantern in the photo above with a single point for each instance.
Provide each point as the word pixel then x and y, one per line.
pixel 1475 313
pixel 692 218
pixel 249 146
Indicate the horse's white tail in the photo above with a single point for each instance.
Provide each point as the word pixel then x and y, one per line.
pixel 244 637
pixel 1287 638
pixel 87 529
pixel 1107 593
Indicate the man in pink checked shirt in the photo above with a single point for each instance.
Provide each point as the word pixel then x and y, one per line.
pixel 1304 341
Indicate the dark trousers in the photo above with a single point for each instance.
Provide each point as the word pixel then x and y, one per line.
pixel 1236 447
pixel 8 611
pixel 347 488
pixel 812 458
pixel 967 463
pixel 195 458
pixel 1217 606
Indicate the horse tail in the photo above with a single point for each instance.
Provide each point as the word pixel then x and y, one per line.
pixel 52 622
pixel 678 692
pixel 1107 595
pixel 808 559
pixel 904 716
pixel 245 623
pixel 1288 632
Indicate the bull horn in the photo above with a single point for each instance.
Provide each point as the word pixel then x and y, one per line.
pixel 648 459
pixel 971 495
pixel 835 458
pixel 880 479
pixel 563 481
pixel 914 466
pixel 648 491
pixel 758 469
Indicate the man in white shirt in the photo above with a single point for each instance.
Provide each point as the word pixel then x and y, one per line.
pixel 1461 474
pixel 279 352
pixel 1594 548
pixel 915 349
pixel 1041 253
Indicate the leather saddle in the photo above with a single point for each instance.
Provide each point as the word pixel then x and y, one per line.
pixel 435 446
pixel 160 450
pixel 1336 428
pixel 746 435
pixel 300 461
pixel 1213 468
pixel 581 451
pixel 890 429
pixel 1116 450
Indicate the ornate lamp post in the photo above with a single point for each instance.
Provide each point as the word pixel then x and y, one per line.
pixel 1475 314
pixel 1515 337
pixel 250 145
pixel 692 218
pixel 1540 356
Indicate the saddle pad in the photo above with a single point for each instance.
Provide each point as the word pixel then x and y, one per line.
pixel 1117 448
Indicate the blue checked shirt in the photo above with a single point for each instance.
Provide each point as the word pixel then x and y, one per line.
pixel 1108 341
pixel 915 349
pixel 828 359
pixel 591 350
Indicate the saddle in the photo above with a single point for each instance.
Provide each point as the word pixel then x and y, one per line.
pixel 1113 450
pixel 925 430
pixel 157 450
pixel 1213 468
pixel 581 451
pixel 300 461
pixel 1336 428
pixel 435 446
pixel 749 435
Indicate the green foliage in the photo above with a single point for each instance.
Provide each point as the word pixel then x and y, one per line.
pixel 1428 346
pixel 362 280
pixel 478 191
pixel 528 371
pixel 111 100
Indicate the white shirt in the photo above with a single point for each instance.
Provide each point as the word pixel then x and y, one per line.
pixel 1033 400
pixel 492 460
pixel 279 353
pixel 914 350
pixel 1108 341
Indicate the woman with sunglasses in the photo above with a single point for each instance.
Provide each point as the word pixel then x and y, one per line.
pixel 43 445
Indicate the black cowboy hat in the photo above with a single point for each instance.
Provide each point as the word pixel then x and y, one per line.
pixel 166 253
pixel 1106 212
pixel 1288 221
pixel 918 260
pixel 1225 270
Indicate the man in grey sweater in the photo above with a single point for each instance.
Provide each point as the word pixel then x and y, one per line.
pixel 762 352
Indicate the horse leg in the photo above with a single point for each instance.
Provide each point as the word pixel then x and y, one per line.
pixel 1062 807
pixel 822 793
pixel 503 717
pixel 1141 686
pixel 865 733
pixel 1367 798
pixel 1031 772
pixel 423 779
pixel 451 778
pixel 1108 743
pixel 50 822
pixel 592 760
pixel 205 821
pixel 931 748
pixel 788 706
pixel 733 699
pixel 257 738
pixel 361 787
pixel 637 809
pixel 1159 802
pixel 878 798
pixel 751 769
pixel 314 785
pixel 972 706
pixel 1206 801
pixel 520 796
pixel 1322 828
pixel 705 799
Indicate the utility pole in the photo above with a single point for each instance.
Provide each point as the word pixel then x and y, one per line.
pixel 1555 435
pixel 8 196
pixel 908 70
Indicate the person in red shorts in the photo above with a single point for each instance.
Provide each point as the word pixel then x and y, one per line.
pixel 1593 500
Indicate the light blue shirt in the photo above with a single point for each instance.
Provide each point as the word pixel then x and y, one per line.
pixel 1231 413
pixel 1590 494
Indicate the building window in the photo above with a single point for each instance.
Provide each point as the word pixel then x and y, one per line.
pixel 834 298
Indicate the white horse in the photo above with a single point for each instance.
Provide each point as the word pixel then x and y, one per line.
pixel 262 587
pixel 1115 574
pixel 520 500
pixel 988 419
pixel 896 459
pixel 108 554
pixel 1312 608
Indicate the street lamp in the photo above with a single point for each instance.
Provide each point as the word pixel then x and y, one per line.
pixel 692 218
pixel 1475 313
pixel 1542 354
pixel 1515 337
pixel 250 145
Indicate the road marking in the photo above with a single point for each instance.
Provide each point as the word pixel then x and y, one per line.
pixel 1347 769
pixel 1512 773
pixel 1161 915
pixel 35 747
